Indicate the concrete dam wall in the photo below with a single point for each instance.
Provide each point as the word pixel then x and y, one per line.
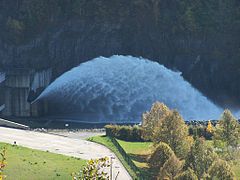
pixel 18 87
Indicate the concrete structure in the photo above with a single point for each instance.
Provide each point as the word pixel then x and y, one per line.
pixel 6 123
pixel 2 79
pixel 18 87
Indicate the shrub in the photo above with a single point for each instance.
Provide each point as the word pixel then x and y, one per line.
pixel 95 169
pixel 127 133
pixel 2 163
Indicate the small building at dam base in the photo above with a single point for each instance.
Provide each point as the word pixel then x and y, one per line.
pixel 18 88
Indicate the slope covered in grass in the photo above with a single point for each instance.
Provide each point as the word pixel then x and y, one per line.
pixel 28 164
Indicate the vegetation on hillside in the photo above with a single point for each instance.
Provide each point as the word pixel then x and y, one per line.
pixel 195 154
pixel 199 37
pixel 176 154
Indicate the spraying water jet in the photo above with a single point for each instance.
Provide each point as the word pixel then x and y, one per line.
pixel 121 88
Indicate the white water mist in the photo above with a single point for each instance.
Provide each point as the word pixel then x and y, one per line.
pixel 121 88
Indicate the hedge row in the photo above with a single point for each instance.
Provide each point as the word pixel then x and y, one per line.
pixel 134 133
pixel 127 133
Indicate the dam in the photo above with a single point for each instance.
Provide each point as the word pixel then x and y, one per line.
pixel 18 87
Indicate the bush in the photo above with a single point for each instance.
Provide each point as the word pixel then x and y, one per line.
pixel 127 133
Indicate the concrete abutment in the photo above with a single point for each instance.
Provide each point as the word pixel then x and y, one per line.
pixel 18 87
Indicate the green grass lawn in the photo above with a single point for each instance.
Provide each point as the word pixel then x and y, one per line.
pixel 138 151
pixel 104 140
pixel 28 164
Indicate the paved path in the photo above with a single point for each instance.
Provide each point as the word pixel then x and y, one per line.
pixel 62 145
pixel 76 134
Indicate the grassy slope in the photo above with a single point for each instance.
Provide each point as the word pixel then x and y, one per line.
pixel 104 140
pixel 24 163
pixel 138 151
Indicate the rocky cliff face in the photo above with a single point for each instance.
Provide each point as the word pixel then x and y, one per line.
pixel 199 38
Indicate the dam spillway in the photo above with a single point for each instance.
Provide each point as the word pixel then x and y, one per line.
pixel 121 88
pixel 17 87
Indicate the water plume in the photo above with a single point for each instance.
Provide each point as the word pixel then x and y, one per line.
pixel 121 88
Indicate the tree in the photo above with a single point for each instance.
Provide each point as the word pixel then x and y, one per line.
pixel 160 155
pixel 171 168
pixel 208 131
pixel 95 169
pixel 174 132
pixel 153 119
pixel 209 127
pixel 221 170
pixel 200 157
pixel 227 131
pixel 187 175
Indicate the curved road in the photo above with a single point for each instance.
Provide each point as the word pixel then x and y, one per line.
pixel 63 145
